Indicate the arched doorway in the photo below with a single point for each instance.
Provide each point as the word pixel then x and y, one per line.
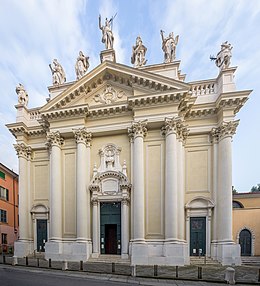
pixel 245 241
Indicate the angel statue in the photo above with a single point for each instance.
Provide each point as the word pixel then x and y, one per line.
pixel 81 65
pixel 107 34
pixel 169 46
pixel 58 74
pixel 224 56
pixel 138 53
pixel 22 95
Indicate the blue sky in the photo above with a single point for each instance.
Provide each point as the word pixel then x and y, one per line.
pixel 34 32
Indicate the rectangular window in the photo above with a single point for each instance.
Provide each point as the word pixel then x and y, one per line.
pixel 4 238
pixel 2 175
pixel 3 216
pixel 4 194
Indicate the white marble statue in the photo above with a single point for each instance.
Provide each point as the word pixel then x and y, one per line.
pixel 138 53
pixel 22 95
pixel 81 65
pixel 58 74
pixel 169 46
pixel 107 34
pixel 224 56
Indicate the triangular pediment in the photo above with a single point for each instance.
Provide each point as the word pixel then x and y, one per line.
pixel 112 83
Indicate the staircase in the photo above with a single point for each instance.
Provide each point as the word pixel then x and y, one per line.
pixel 196 260
pixel 110 259
pixel 250 260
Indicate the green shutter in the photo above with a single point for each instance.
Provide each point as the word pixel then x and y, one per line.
pixel 2 175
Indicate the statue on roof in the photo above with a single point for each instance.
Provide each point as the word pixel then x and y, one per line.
pixel 81 65
pixel 58 74
pixel 169 46
pixel 22 95
pixel 224 56
pixel 107 34
pixel 138 53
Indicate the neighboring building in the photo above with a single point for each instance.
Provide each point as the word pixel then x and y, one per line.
pixel 129 161
pixel 8 207
pixel 246 222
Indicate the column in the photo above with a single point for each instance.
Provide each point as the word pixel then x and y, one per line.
pixel 54 142
pixel 171 186
pixel 24 154
pixel 224 196
pixel 125 224
pixel 138 131
pixel 83 139
pixel 95 227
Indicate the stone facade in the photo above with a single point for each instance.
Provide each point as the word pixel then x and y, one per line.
pixel 141 139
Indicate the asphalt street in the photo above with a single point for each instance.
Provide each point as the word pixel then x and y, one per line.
pixel 20 276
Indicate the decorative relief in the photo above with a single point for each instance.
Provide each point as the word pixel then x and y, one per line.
pixel 83 136
pixel 109 95
pixel 226 129
pixel 54 138
pixel 138 128
pixel 23 150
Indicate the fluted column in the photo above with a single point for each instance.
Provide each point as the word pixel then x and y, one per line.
pixel 54 142
pixel 138 131
pixel 224 196
pixel 24 154
pixel 95 227
pixel 83 139
pixel 171 185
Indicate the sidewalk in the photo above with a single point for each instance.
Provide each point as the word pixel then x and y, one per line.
pixel 246 275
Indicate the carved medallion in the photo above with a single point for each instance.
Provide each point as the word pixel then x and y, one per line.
pixel 109 95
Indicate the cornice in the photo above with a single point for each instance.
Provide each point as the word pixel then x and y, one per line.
pixel 81 110
pixel 20 128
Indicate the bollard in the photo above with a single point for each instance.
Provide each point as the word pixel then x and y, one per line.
pixel 199 272
pixel 15 260
pixel 3 258
pixel 81 265
pixel 258 275
pixel 155 270
pixel 26 260
pixel 176 271
pixel 230 276
pixel 113 267
pixel 38 262
pixel 64 265
pixel 49 263
pixel 133 270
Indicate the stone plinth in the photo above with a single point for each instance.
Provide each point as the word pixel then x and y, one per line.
pixel 108 55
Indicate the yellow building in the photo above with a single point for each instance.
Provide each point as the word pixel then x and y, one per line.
pixel 246 222
pixel 132 161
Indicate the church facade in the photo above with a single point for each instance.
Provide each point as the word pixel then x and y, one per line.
pixel 131 161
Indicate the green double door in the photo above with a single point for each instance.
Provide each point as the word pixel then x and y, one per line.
pixel 110 228
pixel 197 236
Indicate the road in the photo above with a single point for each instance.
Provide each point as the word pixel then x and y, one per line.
pixel 13 276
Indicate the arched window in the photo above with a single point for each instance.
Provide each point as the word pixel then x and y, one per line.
pixel 237 205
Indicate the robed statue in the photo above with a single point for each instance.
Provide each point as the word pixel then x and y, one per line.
pixel 169 46
pixel 58 74
pixel 107 34
pixel 138 53
pixel 22 95
pixel 81 65
pixel 224 56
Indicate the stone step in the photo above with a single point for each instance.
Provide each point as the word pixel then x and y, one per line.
pixel 109 259
pixel 195 260
pixel 250 260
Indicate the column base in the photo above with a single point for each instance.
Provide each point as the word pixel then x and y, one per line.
pixel 227 253
pixel 68 251
pixel 23 248
pixel 159 253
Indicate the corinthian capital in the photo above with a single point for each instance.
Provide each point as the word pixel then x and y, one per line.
pixel 83 136
pixel 138 128
pixel 226 129
pixel 23 150
pixel 174 125
pixel 54 138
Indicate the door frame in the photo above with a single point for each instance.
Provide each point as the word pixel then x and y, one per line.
pixel 204 231
pixel 200 207
pixel 252 238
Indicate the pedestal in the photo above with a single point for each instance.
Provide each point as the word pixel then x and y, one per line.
pixel 108 55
